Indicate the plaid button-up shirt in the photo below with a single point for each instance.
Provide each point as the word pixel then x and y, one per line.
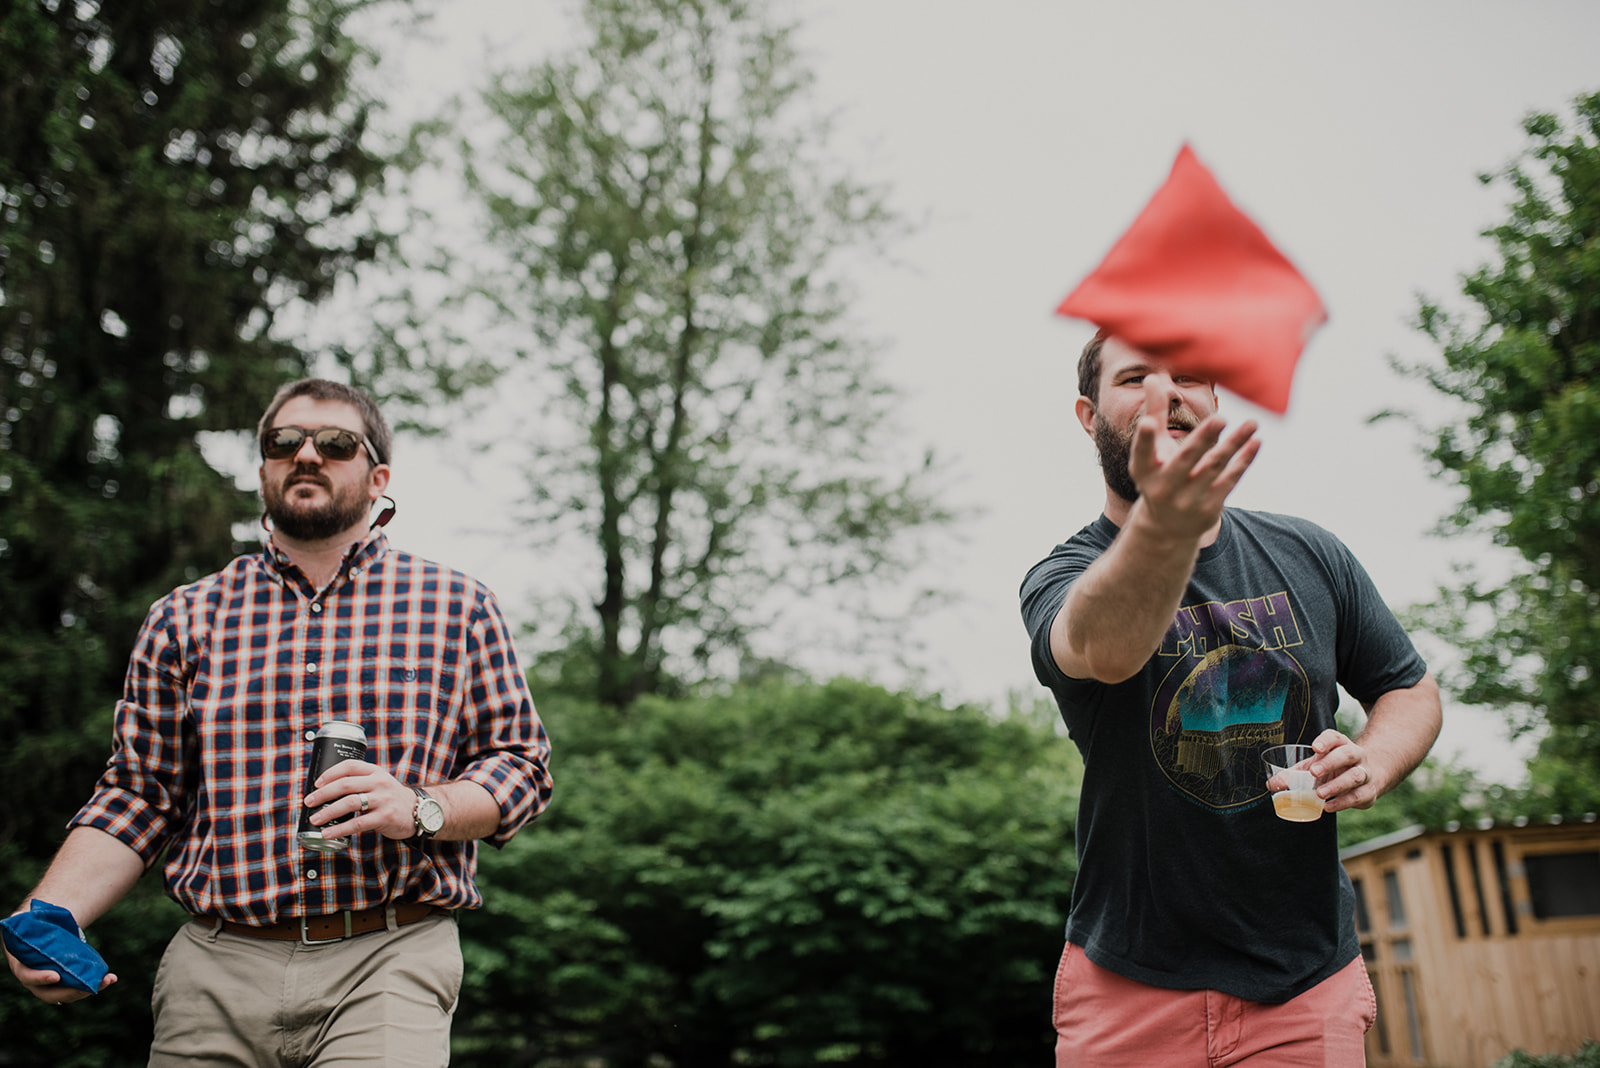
pixel 233 674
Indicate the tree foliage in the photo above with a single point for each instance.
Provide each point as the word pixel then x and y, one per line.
pixel 673 247
pixel 1586 1056
pixel 1524 366
pixel 786 875
pixel 171 176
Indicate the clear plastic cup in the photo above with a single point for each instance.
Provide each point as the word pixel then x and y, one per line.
pixel 1294 788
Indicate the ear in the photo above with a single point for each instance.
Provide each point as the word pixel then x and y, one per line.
pixel 377 482
pixel 1083 408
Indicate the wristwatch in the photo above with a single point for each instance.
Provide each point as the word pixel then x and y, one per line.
pixel 428 815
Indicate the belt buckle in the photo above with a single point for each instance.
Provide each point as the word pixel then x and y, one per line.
pixel 307 940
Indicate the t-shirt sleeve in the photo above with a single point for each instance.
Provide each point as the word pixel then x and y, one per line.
pixel 1043 590
pixel 1375 655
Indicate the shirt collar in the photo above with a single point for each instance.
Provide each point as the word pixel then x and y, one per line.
pixel 364 553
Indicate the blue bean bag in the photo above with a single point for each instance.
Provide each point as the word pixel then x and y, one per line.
pixel 47 938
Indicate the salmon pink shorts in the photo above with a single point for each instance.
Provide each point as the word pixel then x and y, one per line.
pixel 1104 1020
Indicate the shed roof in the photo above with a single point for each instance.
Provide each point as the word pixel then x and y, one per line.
pixel 1417 830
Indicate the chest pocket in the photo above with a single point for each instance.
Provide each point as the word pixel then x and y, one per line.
pixel 389 686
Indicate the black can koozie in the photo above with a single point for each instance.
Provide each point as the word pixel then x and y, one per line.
pixel 336 741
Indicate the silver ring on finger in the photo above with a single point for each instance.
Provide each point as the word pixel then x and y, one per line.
pixel 366 803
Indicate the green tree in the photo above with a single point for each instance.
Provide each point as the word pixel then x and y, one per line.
pixel 790 874
pixel 171 177
pixel 674 247
pixel 1524 366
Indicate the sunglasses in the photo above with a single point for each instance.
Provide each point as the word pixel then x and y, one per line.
pixel 331 443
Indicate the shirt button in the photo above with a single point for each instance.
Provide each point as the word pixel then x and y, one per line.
pixel 311 668
pixel 316 606
pixel 311 873
pixel 311 735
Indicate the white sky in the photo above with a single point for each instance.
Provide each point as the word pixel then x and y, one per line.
pixel 1030 133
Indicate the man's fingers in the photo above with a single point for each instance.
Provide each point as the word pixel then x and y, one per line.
pixel 1239 463
pixel 1218 451
pixel 1142 458
pixel 343 768
pixel 1155 398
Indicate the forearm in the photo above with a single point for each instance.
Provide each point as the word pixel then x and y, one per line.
pixel 1114 617
pixel 90 873
pixel 470 811
pixel 1401 727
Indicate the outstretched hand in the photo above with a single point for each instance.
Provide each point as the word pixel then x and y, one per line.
pixel 1184 480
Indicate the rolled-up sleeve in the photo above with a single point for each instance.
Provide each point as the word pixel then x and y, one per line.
pixel 508 751
pixel 139 798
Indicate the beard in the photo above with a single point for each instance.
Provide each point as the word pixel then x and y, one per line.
pixel 344 509
pixel 1115 447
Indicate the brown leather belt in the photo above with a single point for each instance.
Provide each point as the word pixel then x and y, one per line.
pixel 334 927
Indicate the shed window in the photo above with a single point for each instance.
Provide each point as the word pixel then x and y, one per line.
pixel 1563 884
pixel 1448 857
pixel 1504 875
pixel 1477 887
pixel 1397 904
pixel 1413 1016
pixel 1363 925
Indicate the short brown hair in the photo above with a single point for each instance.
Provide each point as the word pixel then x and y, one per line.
pixel 1089 367
pixel 376 430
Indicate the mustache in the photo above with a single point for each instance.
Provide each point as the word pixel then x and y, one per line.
pixel 1177 416
pixel 306 473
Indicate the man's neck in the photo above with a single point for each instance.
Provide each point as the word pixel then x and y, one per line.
pixel 319 560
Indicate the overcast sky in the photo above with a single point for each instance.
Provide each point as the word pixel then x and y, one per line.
pixel 1030 134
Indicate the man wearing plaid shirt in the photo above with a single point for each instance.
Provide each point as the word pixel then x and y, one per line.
pixel 297 956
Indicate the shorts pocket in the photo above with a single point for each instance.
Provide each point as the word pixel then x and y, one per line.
pixel 1369 998
pixel 1063 982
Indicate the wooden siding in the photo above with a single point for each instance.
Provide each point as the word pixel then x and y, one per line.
pixel 1464 979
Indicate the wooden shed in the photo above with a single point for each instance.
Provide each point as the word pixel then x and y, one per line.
pixel 1480 940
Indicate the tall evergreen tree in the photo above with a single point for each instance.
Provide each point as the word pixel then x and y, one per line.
pixel 172 175
pixel 1525 366
pixel 673 235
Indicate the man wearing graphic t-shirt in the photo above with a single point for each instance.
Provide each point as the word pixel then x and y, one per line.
pixel 1180 639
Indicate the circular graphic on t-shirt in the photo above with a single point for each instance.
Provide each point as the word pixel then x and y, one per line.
pixel 1214 714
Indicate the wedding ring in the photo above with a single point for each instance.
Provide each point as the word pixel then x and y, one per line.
pixel 366 805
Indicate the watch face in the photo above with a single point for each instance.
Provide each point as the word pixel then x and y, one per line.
pixel 430 815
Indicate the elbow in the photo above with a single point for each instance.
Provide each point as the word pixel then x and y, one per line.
pixel 1086 652
pixel 1111 670
pixel 1108 666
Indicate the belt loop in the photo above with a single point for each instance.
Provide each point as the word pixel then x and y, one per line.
pixel 216 929
pixel 389 919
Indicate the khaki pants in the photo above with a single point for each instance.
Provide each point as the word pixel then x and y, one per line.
pixel 380 999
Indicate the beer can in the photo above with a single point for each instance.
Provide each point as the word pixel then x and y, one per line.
pixel 335 742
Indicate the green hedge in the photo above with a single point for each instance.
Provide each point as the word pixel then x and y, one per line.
pixel 782 875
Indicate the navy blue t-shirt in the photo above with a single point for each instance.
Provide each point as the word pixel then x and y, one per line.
pixel 1186 878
